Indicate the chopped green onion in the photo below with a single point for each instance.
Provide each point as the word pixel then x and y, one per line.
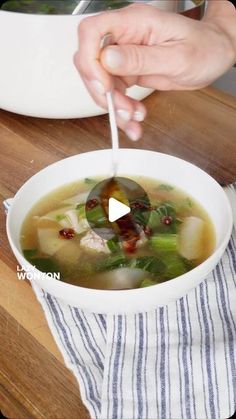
pixel 81 210
pixel 60 217
pixel 79 206
pixel 164 242
pixel 90 181
pixel 189 202
pixel 165 187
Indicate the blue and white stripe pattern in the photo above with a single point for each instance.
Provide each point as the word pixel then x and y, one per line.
pixel 176 362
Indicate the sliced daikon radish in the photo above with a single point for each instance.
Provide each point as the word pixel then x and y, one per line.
pixel 77 222
pixel 56 215
pixel 122 278
pixel 49 240
pixel 77 199
pixel 69 254
pixel 191 237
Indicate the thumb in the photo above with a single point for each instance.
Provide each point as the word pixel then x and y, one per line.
pixel 131 60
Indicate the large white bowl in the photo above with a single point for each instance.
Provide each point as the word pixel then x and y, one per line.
pixel 131 162
pixel 37 75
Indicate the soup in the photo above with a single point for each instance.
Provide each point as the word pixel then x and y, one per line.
pixel 173 234
pixel 58 6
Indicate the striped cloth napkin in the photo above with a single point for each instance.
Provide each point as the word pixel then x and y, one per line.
pixel 178 361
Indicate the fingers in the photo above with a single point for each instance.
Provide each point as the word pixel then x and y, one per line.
pixel 138 60
pixel 129 112
pixel 136 25
pixel 126 107
pixel 132 129
pixel 157 82
pixel 149 66
pixel 91 32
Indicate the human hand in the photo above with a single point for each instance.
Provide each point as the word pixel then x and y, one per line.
pixel 152 48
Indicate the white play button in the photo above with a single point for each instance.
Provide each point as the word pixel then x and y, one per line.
pixel 116 209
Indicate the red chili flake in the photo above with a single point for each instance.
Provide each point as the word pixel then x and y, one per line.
pixel 91 204
pixel 129 246
pixel 139 205
pixel 67 233
pixel 167 220
pixel 147 230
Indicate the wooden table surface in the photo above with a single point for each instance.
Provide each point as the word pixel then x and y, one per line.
pixel 198 126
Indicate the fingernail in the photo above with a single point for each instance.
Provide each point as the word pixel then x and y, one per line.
pixel 132 135
pixel 98 86
pixel 113 58
pixel 124 114
pixel 138 116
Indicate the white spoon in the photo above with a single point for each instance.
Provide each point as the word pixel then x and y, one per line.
pixel 114 133
pixel 112 118
pixel 80 8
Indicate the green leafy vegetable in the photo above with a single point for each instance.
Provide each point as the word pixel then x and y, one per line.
pixel 113 244
pixel 29 253
pixel 166 209
pixel 97 217
pixel 150 264
pixel 147 283
pixel 154 220
pixel 113 262
pixel 140 210
pixel 176 265
pixel 141 216
pixel 164 242
pixel 45 265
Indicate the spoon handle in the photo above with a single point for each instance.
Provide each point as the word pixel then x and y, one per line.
pixel 112 115
pixel 81 7
pixel 114 132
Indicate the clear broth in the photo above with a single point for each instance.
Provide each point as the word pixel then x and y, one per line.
pixel 78 265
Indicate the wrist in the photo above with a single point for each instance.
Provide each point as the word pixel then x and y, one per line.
pixel 221 15
pixel 227 27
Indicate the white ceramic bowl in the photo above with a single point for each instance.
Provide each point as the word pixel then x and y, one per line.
pixel 131 162
pixel 37 74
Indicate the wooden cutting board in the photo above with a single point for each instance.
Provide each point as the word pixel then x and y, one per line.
pixel 197 126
